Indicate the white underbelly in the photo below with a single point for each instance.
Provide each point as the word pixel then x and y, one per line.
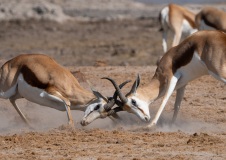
pixel 39 96
pixel 196 68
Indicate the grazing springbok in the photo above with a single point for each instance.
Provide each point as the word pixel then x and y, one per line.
pixel 212 17
pixel 202 53
pixel 39 79
pixel 177 19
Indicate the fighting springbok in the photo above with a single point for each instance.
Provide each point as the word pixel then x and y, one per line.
pixel 177 19
pixel 112 111
pixel 212 17
pixel 40 79
pixel 202 53
pixel 93 112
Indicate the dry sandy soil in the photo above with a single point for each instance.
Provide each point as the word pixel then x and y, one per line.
pixel 119 49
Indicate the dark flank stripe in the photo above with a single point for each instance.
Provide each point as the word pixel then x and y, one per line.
pixel 183 56
pixel 31 78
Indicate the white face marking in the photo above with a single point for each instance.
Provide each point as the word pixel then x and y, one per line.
pixel 94 111
pixel 90 109
pixel 139 107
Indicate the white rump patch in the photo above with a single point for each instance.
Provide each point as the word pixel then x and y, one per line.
pixel 165 17
pixel 187 28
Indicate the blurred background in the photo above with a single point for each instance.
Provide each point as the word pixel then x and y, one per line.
pixel 87 32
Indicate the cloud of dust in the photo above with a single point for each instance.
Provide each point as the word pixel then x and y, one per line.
pixel 43 119
pixel 186 125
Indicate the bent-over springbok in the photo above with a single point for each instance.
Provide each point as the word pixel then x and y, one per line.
pixel 39 79
pixel 212 17
pixel 177 19
pixel 202 53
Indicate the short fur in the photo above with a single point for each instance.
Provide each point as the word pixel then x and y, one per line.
pixel 212 17
pixel 45 81
pixel 202 53
pixel 177 19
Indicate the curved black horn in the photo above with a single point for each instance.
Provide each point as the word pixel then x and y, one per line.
pixel 112 101
pixel 120 86
pixel 115 110
pixel 121 96
pixel 135 86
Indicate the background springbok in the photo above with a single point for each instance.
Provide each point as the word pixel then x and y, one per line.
pixel 39 79
pixel 177 19
pixel 200 54
pixel 212 17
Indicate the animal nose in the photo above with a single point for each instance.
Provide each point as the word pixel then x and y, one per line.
pixel 83 123
pixel 146 118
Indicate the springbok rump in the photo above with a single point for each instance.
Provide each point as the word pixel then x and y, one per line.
pixel 212 17
pixel 200 54
pixel 177 19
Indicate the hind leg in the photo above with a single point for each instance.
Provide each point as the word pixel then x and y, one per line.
pixel 55 100
pixel 164 40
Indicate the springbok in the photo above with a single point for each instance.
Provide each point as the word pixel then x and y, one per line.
pixel 92 112
pixel 202 53
pixel 177 19
pixel 39 79
pixel 212 17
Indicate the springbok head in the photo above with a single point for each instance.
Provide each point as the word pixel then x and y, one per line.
pixel 131 102
pixel 103 109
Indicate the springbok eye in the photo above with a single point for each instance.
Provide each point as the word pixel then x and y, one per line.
pixel 134 102
pixel 97 107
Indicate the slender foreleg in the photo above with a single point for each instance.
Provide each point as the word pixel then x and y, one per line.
pixel 169 91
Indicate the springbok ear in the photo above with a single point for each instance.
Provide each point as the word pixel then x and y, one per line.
pixel 99 95
pixel 96 93
pixel 138 80
pixel 135 86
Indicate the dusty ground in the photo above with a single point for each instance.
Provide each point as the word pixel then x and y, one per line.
pixel 119 49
